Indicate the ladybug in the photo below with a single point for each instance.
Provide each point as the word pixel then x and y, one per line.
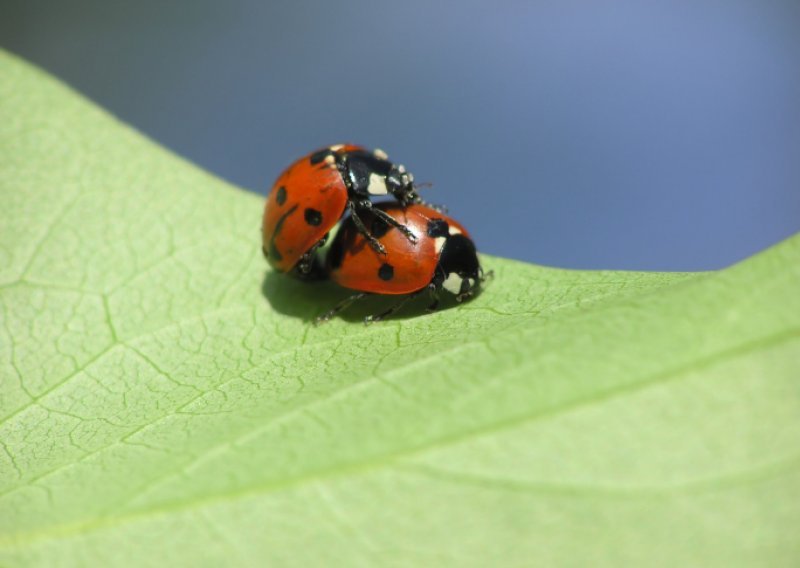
pixel 442 257
pixel 314 193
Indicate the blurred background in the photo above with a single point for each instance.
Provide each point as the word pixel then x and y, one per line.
pixel 622 134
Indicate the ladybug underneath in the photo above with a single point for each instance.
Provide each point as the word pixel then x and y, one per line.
pixel 442 257
pixel 312 195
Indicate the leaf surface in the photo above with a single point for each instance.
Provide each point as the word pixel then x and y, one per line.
pixel 165 401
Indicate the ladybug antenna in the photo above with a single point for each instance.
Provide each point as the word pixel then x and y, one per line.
pixel 420 201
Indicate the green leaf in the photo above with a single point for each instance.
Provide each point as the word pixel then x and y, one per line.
pixel 165 400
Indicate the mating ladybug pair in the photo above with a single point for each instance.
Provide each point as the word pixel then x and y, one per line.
pixel 401 247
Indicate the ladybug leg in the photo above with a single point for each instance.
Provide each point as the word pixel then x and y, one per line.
pixel 465 293
pixel 307 260
pixel 434 291
pixel 439 208
pixel 383 315
pixel 389 220
pixel 339 307
pixel 373 242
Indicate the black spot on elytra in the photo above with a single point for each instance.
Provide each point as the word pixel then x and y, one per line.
pixel 312 217
pixel 280 195
pixel 318 157
pixel 386 271
pixel 273 251
pixel 378 227
pixel 438 228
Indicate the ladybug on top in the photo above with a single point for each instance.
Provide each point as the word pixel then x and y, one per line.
pixel 314 193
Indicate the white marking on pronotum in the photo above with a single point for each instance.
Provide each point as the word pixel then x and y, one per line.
pixel 454 230
pixel 330 160
pixel 453 283
pixel 380 154
pixel 336 147
pixel 377 185
pixel 438 243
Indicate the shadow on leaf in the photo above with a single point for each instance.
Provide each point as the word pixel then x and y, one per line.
pixel 307 300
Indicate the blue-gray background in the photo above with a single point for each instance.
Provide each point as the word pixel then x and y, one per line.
pixel 619 134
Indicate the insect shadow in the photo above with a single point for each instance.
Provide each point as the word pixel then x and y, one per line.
pixel 307 300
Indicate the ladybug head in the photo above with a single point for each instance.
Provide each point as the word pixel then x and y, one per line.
pixel 400 183
pixel 459 271
pixel 372 174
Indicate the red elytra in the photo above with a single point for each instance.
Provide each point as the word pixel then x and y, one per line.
pixel 407 267
pixel 310 197
pixel 307 188
pixel 442 257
